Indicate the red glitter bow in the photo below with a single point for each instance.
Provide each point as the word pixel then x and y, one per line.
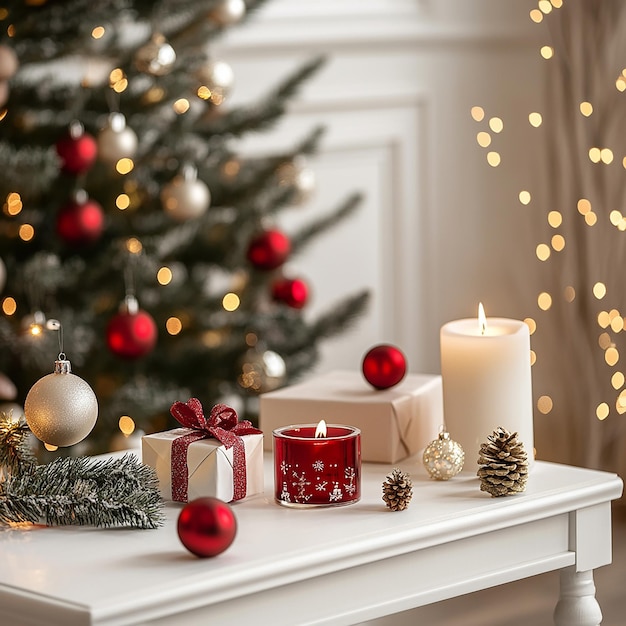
pixel 224 425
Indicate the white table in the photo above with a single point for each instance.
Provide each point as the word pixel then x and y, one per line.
pixel 323 566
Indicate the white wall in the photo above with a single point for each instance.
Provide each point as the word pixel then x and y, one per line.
pixel 439 228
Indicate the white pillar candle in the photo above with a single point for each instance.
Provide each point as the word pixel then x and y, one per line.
pixel 485 369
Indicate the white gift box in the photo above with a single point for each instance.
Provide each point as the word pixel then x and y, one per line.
pixel 209 463
pixel 394 423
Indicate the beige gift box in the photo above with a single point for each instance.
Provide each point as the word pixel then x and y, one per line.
pixel 209 463
pixel 394 423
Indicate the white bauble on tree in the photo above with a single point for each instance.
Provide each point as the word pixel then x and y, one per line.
pixel 157 57
pixel 228 12
pixel 61 408
pixel 116 140
pixel 185 197
pixel 216 81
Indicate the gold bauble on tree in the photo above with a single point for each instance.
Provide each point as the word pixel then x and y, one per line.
pixel 443 458
pixel 61 408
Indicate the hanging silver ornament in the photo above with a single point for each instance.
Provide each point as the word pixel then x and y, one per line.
pixel 216 81
pixel 261 371
pixel 228 12
pixel 116 140
pixel 157 57
pixel 296 174
pixel 443 458
pixel 185 197
pixel 61 408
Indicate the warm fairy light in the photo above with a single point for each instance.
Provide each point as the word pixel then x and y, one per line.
pixel 320 431
pixel 535 119
pixel 3 113
pixel 584 206
pixel 532 325
pixel 599 290
pixel 133 245
pixel 98 32
pixel 617 380
pixel 586 108
pixel 117 80
pixel 493 158
pixel 615 217
pixel 126 425
pixel 26 232
pixel 164 276
pixel 544 404
pixel 611 356
pixel 13 204
pixel 533 357
pixel 543 252
pixel 35 329
pixel 482 319
pixel 4 13
pixel 153 95
pixel 50 447
pixel 204 92
pixel 524 197
pixel 569 293
pixel 620 83
pixel 606 156
pixel 212 338
pixel 558 243
pixel 536 16
pixel 231 302
pixel 555 219
pixel 545 6
pixel 11 30
pixel 477 113
pixel 173 325
pixel 496 124
pixel 617 324
pixel 483 139
pixel 181 106
pixel 602 411
pixel 591 218
pixel 9 306
pixel 604 319
pixel 124 166
pixel 231 168
pixel 544 301
pixel 613 313
pixel 620 404
pixel 557 4
pixel 594 155
pixel 251 339
pixel 547 52
pixel 604 341
pixel 122 202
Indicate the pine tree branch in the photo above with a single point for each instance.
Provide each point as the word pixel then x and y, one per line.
pixel 15 453
pixel 81 491
pixel 28 170
pixel 339 317
pixel 305 235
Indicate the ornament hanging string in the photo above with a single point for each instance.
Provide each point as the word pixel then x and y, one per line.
pixel 56 325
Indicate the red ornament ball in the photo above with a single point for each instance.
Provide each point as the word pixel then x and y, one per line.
pixel 80 222
pixel 293 292
pixel 384 366
pixel 269 250
pixel 78 152
pixel 207 526
pixel 131 335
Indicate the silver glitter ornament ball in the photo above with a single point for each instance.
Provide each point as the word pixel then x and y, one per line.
pixel 443 458
pixel 61 409
pixel 185 197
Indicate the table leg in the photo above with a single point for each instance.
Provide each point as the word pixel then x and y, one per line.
pixel 577 605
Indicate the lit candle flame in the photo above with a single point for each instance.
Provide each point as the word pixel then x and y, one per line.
pixel 482 319
pixel 320 431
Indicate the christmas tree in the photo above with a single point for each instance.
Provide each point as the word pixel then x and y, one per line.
pixel 130 218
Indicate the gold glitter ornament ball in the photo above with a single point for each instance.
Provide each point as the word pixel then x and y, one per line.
pixel 443 458
pixel 61 409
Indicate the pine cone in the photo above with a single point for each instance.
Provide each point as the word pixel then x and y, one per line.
pixel 504 464
pixel 397 490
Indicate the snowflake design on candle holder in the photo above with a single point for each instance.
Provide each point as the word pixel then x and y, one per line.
pixel 318 466
pixel 301 483
pixel 321 486
pixel 350 474
pixel 284 467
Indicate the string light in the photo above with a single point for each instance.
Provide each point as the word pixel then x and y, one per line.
pixel 122 202
pixel 231 302
pixel 617 380
pixel 477 113
pixel 164 276
pixel 126 425
pixel 493 158
pixel 26 232
pixel 586 108
pixel 98 32
pixel 535 119
pixel 569 293
pixel 545 404
pixel 496 124
pixel 9 305
pixel 133 245
pixel 124 166
pixel 602 411
pixel 181 106
pixel 13 204
pixel 173 325
pixel 547 52
pixel 524 197
pixel 483 139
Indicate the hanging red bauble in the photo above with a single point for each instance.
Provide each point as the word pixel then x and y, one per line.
pixel 206 526
pixel 132 333
pixel 293 292
pixel 269 250
pixel 81 221
pixel 77 149
pixel 384 366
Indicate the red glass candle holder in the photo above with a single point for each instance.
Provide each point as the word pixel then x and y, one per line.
pixel 317 471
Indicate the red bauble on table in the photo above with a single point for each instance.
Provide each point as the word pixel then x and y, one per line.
pixel 132 333
pixel 293 292
pixel 81 221
pixel 384 366
pixel 206 526
pixel 77 149
pixel 269 250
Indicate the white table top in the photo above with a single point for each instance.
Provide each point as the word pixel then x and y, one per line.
pixel 115 576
